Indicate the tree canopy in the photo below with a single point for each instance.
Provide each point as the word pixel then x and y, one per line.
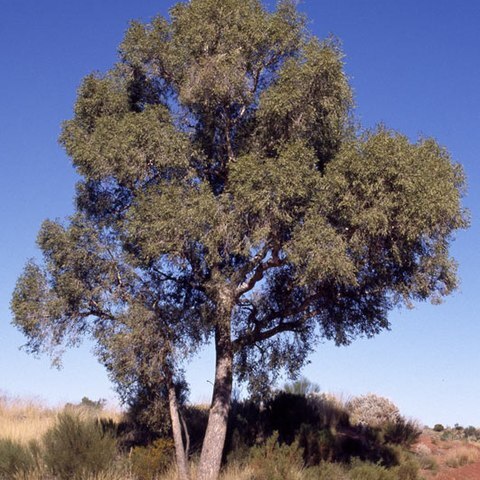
pixel 227 195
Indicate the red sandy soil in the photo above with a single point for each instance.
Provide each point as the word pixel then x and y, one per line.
pixel 468 472
pixel 440 450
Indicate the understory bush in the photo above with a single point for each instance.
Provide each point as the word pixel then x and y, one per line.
pixel 77 446
pixel 326 471
pixel 408 470
pixel 401 432
pixel 16 458
pixel 368 471
pixel 317 445
pixel 149 462
pixel 275 461
pixel 287 437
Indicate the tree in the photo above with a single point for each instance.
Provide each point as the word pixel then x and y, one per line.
pixel 89 286
pixel 302 386
pixel 227 196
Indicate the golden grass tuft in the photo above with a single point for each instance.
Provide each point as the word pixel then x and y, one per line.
pixel 237 472
pixel 24 420
pixel 459 456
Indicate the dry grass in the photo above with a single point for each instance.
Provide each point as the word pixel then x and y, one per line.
pixel 107 475
pixel 23 420
pixel 459 456
pixel 236 472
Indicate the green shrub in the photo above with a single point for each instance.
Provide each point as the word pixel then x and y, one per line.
pixel 302 386
pixel 446 435
pixel 148 462
pixel 326 471
pixel 317 445
pixel 93 404
pixel 238 450
pixel 273 461
pixel 438 427
pixel 401 432
pixel 74 447
pixel 15 458
pixel 407 470
pixel 369 471
pixel 471 432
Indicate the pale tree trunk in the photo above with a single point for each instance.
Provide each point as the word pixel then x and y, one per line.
pixel 214 441
pixel 180 453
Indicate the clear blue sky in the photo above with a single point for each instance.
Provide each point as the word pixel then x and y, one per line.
pixel 414 65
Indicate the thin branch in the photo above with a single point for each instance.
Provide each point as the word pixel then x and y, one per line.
pixel 166 276
pixel 99 312
pixel 227 128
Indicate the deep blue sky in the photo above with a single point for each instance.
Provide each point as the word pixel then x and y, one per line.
pixel 414 65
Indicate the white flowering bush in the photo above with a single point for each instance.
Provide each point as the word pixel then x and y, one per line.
pixel 372 410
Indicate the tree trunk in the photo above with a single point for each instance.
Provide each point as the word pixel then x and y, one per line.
pixel 214 441
pixel 180 454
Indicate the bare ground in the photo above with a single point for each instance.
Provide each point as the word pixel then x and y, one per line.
pixel 441 450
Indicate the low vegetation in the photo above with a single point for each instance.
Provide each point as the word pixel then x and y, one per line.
pixel 461 456
pixel 297 434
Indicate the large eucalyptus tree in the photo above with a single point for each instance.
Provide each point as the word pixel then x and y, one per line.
pixel 227 196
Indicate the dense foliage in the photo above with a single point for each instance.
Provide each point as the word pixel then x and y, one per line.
pixel 226 196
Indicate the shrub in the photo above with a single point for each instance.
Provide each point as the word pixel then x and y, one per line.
pixel 326 471
pixel 284 414
pixel 15 458
pixel 462 456
pixel 93 404
pixel 372 410
pixel 148 462
pixel 292 416
pixel 425 459
pixel 422 450
pixel 471 432
pixel 369 471
pixel 401 432
pixel 446 435
pixel 236 450
pixel 302 386
pixel 273 461
pixel 317 445
pixel 74 447
pixel 428 462
pixel 438 427
pixel 330 410
pixel 407 470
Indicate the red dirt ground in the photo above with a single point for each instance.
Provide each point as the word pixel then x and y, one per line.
pixel 440 450
pixel 468 472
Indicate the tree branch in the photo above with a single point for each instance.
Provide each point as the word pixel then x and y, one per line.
pixel 255 336
pixel 258 335
pixel 259 270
